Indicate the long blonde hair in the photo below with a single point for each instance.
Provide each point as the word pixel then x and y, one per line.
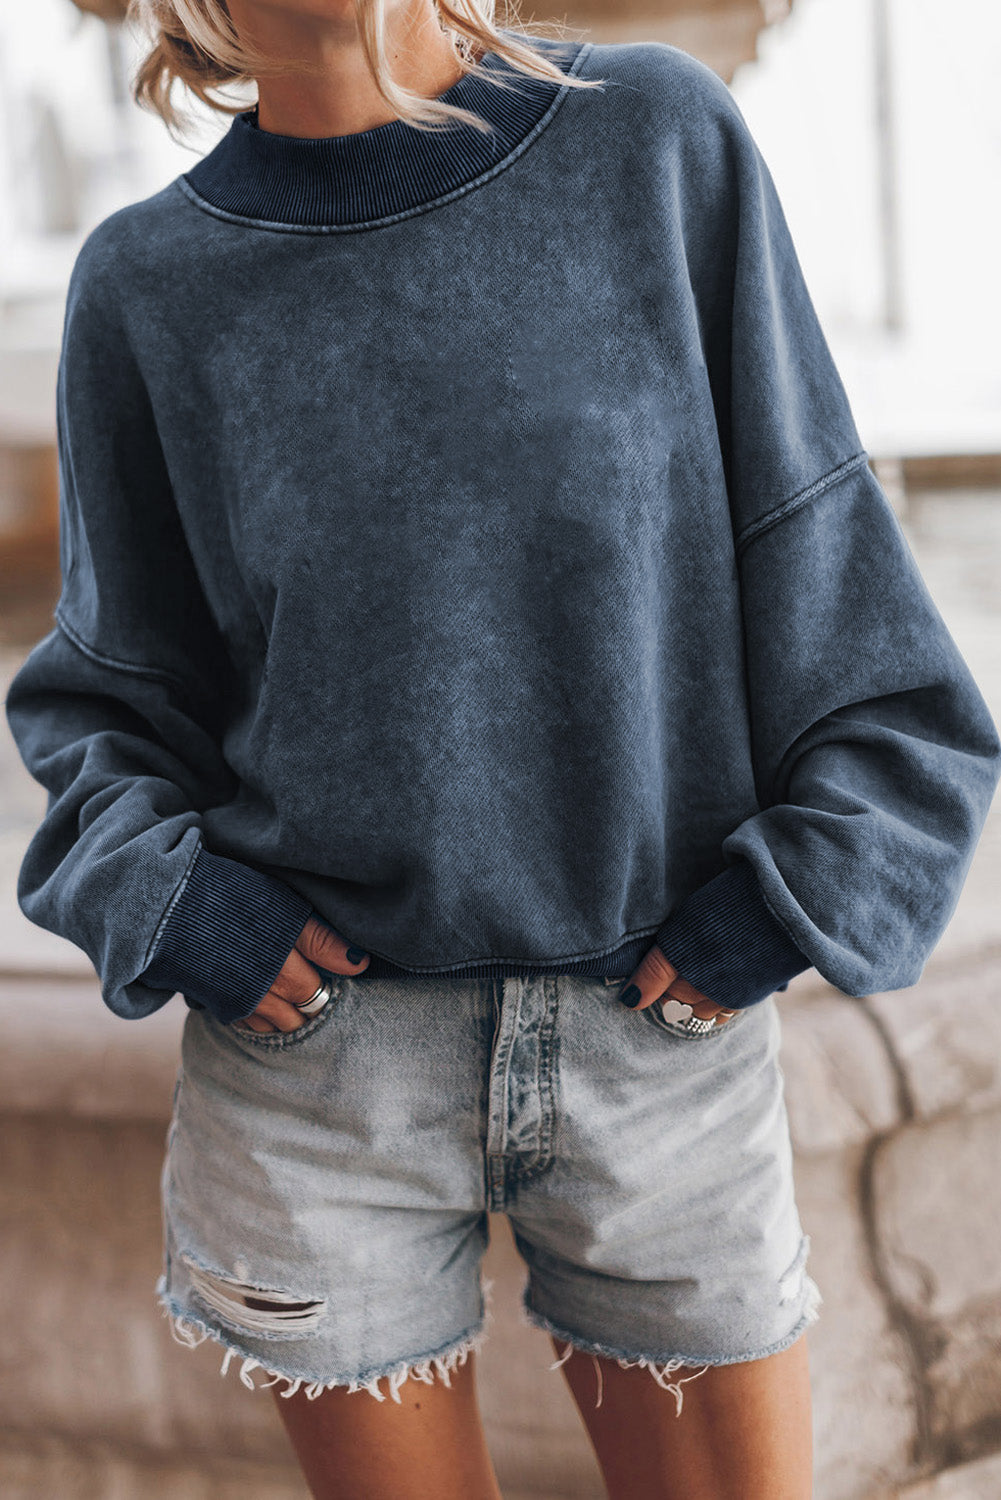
pixel 195 42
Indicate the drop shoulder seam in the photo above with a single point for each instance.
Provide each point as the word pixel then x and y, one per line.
pixel 789 507
pixel 134 669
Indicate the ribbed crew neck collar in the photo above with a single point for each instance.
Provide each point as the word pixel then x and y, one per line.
pixel 372 174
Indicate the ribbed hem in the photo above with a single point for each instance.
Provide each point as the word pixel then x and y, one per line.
pixel 619 961
pixel 371 174
pixel 227 937
pixel 724 940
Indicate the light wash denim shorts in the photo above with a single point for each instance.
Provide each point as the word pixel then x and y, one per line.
pixel 326 1191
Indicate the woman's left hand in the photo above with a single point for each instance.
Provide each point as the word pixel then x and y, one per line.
pixel 656 978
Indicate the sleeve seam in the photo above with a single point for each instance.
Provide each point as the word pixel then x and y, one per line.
pixel 178 892
pixel 795 502
pixel 134 669
pixel 769 907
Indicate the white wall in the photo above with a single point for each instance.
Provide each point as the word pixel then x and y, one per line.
pixel 69 155
pixel 54 58
pixel 810 102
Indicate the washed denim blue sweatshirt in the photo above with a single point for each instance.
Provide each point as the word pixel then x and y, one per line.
pixel 467 538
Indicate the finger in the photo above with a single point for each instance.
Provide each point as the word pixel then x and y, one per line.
pixel 656 978
pixel 706 1009
pixel 325 947
pixel 297 980
pixel 648 981
pixel 274 1014
pixel 680 989
pixel 285 1015
pixel 253 1022
pixel 701 1005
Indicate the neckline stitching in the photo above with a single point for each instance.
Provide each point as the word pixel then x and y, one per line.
pixel 280 226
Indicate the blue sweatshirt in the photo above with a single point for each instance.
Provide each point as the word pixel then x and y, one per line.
pixel 466 538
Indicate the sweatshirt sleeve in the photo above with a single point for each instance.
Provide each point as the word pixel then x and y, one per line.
pixel 875 756
pixel 119 710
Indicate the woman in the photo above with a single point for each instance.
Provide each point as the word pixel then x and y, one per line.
pixel 478 609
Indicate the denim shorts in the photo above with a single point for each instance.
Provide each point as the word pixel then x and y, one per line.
pixel 326 1191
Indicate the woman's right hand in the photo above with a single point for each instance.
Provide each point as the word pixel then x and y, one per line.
pixel 297 980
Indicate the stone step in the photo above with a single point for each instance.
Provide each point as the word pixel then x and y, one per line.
pixel 980 1480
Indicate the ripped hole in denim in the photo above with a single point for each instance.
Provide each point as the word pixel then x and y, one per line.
pixel 252 1308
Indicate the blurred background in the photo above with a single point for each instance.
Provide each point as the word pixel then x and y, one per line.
pixel 881 122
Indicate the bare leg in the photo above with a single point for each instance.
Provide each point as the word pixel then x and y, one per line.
pixel 432 1447
pixel 744 1432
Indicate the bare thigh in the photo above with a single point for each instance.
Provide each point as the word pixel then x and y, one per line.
pixel 744 1433
pixel 430 1446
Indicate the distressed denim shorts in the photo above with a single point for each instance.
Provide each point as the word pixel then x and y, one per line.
pixel 326 1191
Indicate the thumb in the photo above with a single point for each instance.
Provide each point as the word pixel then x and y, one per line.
pixel 326 948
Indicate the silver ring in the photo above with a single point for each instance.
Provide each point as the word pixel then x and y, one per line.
pixel 318 1000
pixel 698 1025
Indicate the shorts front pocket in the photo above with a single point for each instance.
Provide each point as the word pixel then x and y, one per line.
pixel 275 1041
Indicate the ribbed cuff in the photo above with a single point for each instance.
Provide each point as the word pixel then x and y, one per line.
pixel 724 940
pixel 228 936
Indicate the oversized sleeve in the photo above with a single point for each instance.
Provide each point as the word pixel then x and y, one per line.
pixel 875 757
pixel 118 711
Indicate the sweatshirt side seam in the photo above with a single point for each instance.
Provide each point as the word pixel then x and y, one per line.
pixel 133 669
pixel 802 497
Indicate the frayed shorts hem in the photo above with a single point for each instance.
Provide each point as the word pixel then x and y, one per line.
pixel 190 1330
pixel 662 1366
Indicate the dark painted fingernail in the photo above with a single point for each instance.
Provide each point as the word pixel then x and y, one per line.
pixel 631 996
pixel 355 955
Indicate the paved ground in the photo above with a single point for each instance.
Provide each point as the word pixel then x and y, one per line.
pixel 895 1109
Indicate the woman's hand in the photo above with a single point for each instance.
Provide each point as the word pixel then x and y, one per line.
pixel 655 978
pixel 297 980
